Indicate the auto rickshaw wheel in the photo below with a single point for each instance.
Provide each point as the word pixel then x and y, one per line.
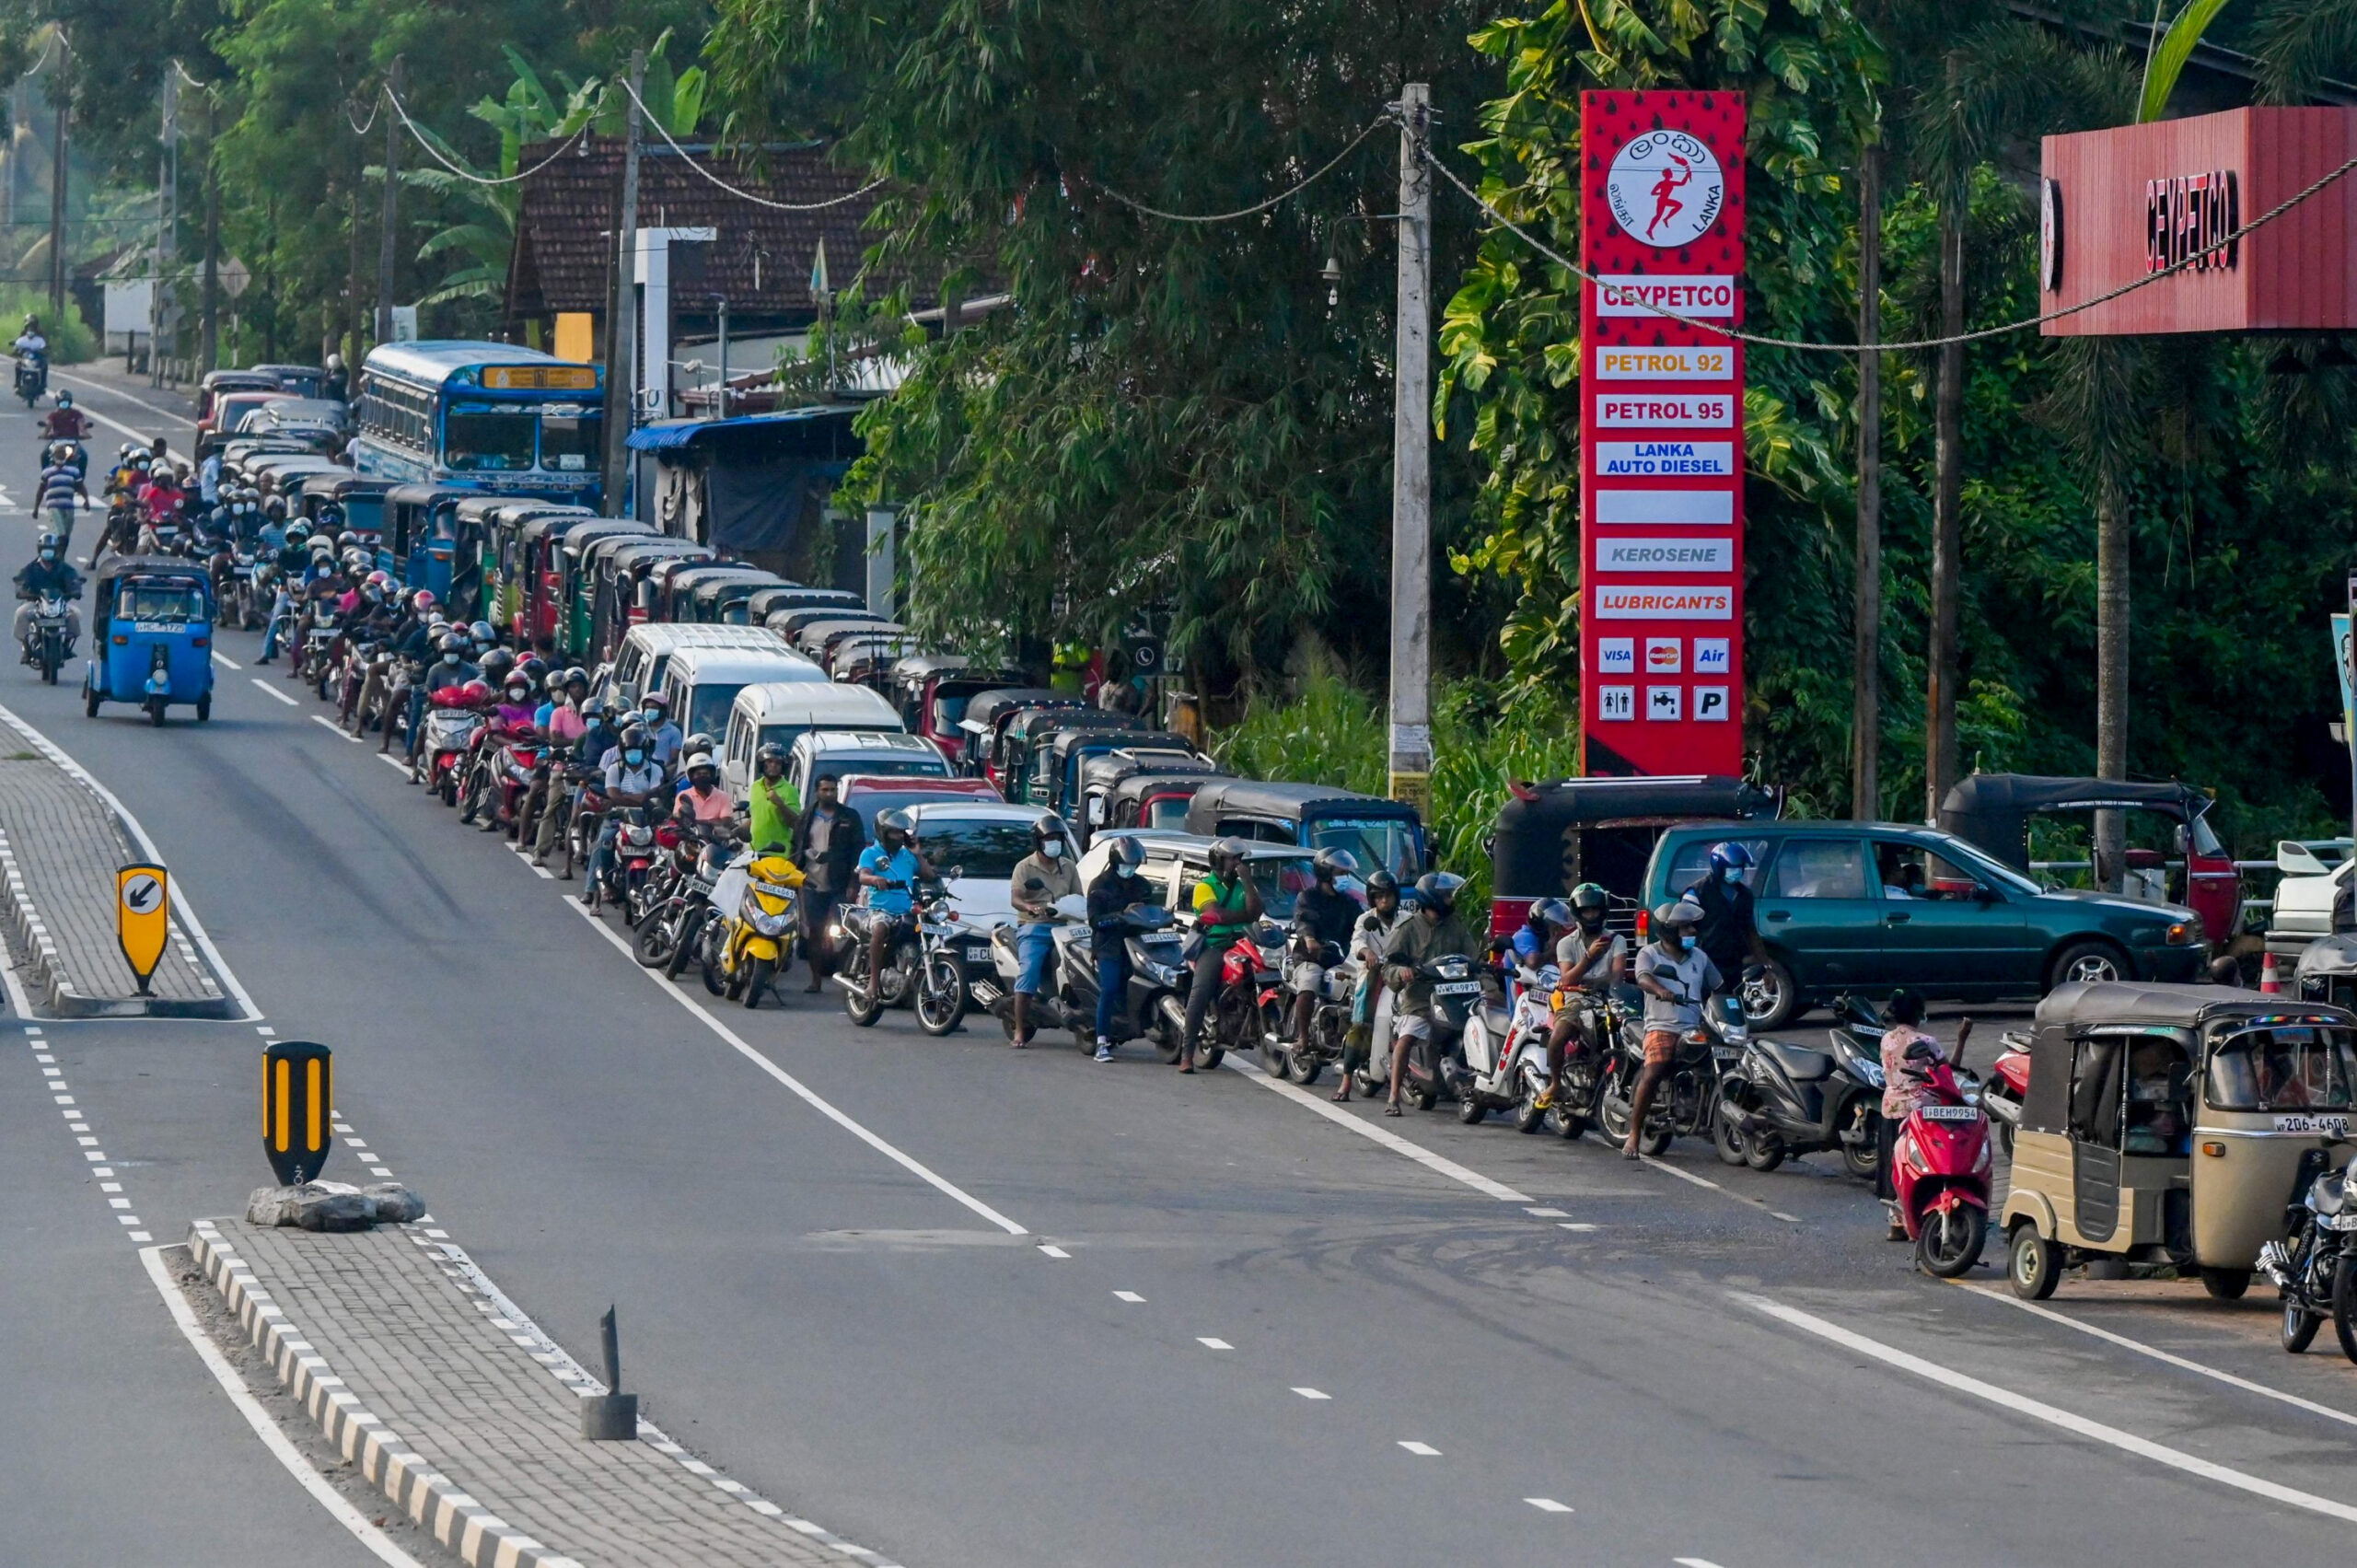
pixel 2033 1263
pixel 90 704
pixel 2228 1284
pixel 204 708
pixel 156 713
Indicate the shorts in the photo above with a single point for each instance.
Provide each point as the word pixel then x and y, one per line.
pixel 1033 946
pixel 1309 977
pixel 1661 1046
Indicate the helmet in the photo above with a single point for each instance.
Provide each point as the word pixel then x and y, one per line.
pixel 276 507
pixel 1382 881
pixel 656 700
pixel 65 400
pixel 577 676
pixel 770 751
pixel 451 645
pixel 894 820
pixel 475 691
pixel 1436 890
pixel 1590 895
pixel 700 741
pixel 1335 863
pixel 555 684
pixel 1729 855
pixel 699 760
pixel 1046 827
pixel 634 735
pixel 496 664
pixel 1550 911
pixel 482 633
pixel 1230 849
pixel 517 685
pixel 1676 911
pixel 1127 853
pixel 335 362
pixel 381 581
pixel 424 601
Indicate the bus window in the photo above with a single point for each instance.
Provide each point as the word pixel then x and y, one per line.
pixel 477 438
pixel 569 443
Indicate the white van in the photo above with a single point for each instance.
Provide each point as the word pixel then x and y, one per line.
pixel 639 665
pixel 783 712
pixel 832 753
pixel 699 685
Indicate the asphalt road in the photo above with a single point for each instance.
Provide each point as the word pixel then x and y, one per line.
pixel 1252 1325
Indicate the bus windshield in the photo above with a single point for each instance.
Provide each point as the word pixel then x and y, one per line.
pixel 569 441
pixel 477 437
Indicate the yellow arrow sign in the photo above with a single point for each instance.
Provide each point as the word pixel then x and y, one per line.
pixel 143 917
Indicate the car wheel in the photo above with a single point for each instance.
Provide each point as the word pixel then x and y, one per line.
pixel 1773 1000
pixel 2089 960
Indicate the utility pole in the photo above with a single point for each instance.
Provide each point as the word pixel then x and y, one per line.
pixel 621 319
pixel 1410 743
pixel 160 301
pixel 211 346
pixel 61 83
pixel 1866 615
pixel 392 182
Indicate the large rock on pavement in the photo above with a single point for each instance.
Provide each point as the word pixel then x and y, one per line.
pixel 333 1206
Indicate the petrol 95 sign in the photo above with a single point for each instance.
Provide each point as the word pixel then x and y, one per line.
pixel 1661 461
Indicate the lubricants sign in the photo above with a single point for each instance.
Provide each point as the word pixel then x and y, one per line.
pixel 1661 408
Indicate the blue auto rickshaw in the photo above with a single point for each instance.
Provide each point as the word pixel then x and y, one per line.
pixel 151 636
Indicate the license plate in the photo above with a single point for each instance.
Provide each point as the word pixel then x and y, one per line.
pixel 2338 1126
pixel 978 955
pixel 1456 988
pixel 1949 1112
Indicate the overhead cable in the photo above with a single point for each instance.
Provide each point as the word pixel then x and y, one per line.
pixel 1324 170
pixel 427 143
pixel 663 132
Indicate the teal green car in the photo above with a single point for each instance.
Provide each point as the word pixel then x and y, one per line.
pixel 1867 906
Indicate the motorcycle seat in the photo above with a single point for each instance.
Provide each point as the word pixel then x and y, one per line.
pixel 1799 1063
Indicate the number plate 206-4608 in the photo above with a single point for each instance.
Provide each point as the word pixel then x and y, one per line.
pixel 2334 1126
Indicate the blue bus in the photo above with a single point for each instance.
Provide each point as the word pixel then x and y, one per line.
pixel 482 417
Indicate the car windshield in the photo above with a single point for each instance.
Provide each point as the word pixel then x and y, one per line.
pixel 982 849
pixel 159 601
pixel 1280 879
pixel 487 439
pixel 1386 841
pixel 569 441
pixel 2283 1067
pixel 890 767
pixel 708 707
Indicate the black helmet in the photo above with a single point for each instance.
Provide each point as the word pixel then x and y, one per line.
pixel 496 666
pixel 1126 854
pixel 1550 911
pixel 535 668
pixel 700 741
pixel 452 646
pixel 1336 864
pixel 577 676
pixel 892 819
pixel 1230 848
pixel 634 735
pixel 770 751
pixel 1382 882
pixel 1436 890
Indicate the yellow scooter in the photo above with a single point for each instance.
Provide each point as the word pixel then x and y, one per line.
pixel 749 938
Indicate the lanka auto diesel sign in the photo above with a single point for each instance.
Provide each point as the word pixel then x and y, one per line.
pixel 1661 458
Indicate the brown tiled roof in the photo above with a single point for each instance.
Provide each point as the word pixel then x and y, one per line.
pixel 760 261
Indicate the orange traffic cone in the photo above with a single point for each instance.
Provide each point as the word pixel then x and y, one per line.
pixel 2271 983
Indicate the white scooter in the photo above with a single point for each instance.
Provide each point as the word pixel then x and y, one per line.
pixel 1505 1052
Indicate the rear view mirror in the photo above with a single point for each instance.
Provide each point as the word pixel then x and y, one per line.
pixel 2297 860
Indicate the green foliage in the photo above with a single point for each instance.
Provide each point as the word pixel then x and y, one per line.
pixel 2170 52
pixel 71 341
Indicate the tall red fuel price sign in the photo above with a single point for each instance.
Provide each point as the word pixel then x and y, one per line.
pixel 1661 458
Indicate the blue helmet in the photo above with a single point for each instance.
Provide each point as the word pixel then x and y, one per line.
pixel 1728 856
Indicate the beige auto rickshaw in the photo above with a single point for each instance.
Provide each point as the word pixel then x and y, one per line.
pixel 2166 1124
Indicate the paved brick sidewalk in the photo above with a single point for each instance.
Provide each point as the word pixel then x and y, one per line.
pixel 469 1418
pixel 60 847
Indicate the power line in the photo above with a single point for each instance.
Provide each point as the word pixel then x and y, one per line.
pixel 660 130
pixel 426 142
pixel 1324 170
pixel 1559 258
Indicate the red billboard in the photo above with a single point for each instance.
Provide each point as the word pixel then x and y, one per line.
pixel 1661 448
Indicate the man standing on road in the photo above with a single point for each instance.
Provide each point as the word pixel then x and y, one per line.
pixel 771 799
pixel 1227 905
pixel 1675 976
pixel 1040 878
pixel 1728 931
pixel 825 846
pixel 61 491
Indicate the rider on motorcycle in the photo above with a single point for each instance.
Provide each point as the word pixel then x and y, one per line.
pixel 1675 976
pixel 1369 936
pixel 889 872
pixel 68 424
pixel 1589 961
pixel 48 572
pixel 1040 878
pixel 1324 914
pixel 632 778
pixel 1433 932
pixel 1227 905
pixel 662 735
pixel 1111 897
pixel 704 800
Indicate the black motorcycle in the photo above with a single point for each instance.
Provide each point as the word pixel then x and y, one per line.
pixel 1433 1068
pixel 2314 1266
pixel 1780 1100
pixel 1686 1102
pixel 667 936
pixel 1155 971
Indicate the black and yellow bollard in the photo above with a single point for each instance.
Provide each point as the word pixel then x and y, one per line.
pixel 143 917
pixel 297 1109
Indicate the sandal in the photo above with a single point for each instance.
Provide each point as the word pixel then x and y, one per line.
pixel 1391 1107
pixel 1342 1098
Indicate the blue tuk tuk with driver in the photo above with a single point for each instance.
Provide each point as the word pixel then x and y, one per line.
pixel 151 636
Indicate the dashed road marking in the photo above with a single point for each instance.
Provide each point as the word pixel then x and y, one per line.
pixel 1208 1343
pixel 1383 1135
pixel 1705 1181
pixel 225 661
pixel 1548 1506
pixel 336 729
pixel 268 690
pixel 1547 1213
pixel 1129 1296
pixel 392 762
pixel 1694 1562
pixel 1054 1251
pixel 1421 1450
pixel 1312 1394
pixel 1580 1225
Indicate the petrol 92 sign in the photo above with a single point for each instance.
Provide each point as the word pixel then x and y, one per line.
pixel 1661 458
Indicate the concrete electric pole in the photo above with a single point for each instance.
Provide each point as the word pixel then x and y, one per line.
pixel 621 319
pixel 62 88
pixel 392 206
pixel 1410 743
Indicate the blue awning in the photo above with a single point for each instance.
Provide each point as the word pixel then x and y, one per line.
pixel 670 435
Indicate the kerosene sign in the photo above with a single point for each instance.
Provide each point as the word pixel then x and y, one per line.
pixel 2189 218
pixel 1661 459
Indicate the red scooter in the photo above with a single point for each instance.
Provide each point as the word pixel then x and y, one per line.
pixel 1939 1167
pixel 455 715
pixel 2001 1097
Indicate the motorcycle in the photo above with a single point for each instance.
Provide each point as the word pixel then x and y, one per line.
pixel 1505 1051
pixel 744 943
pixel 2008 1081
pixel 1055 1005
pixel 632 857
pixel 45 636
pixel 314 667
pixel 950 950
pixel 1781 1101
pixel 1686 1102
pixel 1329 1015
pixel 670 930
pixel 1433 1068
pixel 1155 973
pixel 32 378
pixel 2314 1266
pixel 1939 1167
pixel 445 740
pixel 903 957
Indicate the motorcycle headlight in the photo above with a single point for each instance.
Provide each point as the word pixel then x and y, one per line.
pixel 1161 974
pixel 769 925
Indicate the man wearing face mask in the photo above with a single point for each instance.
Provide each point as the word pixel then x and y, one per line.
pixel 1111 897
pixel 1588 963
pixel 1040 878
pixel 1727 931
pixel 662 736
pixel 631 779
pixel 49 572
pixel 1675 976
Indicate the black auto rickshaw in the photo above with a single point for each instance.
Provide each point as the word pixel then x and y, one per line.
pixel 2167 1125
pixel 767 602
pixel 989 713
pixel 1380 833
pixel 624 596
pixel 1052 775
pixel 817 638
pixel 788 622
pixel 2328 971
pixel 1105 779
pixel 1551 837
pixel 714 598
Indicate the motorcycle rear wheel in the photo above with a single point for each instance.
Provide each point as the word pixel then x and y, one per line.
pixel 1527 1115
pixel 1469 1108
pixel 2344 1304
pixel 1727 1138
pixel 1763 1151
pixel 1170 1028
pixel 1304 1065
pixel 2299 1327
pixel 1861 1157
pixel 863 1009
pixel 1949 1244
pixel 654 944
pixel 1272 1056
pixel 941 995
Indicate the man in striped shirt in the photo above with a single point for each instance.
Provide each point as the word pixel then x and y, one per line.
pixel 61 484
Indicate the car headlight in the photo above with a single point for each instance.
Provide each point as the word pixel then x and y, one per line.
pixel 2183 934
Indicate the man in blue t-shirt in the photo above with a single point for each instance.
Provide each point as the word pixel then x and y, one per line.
pixel 889 872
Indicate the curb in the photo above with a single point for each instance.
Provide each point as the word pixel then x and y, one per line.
pixel 47 971
pixel 480 1538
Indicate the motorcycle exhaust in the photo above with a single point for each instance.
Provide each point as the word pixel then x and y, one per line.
pixel 2276 1264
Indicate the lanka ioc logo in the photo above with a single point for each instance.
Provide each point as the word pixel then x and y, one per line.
pixel 1666 188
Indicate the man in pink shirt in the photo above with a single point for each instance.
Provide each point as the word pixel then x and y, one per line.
pixel 704 800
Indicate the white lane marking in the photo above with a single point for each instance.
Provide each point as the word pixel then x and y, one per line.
pixel 1129 1296
pixel 1705 1181
pixel 184 913
pixel 1694 1562
pixel 1548 1506
pixel 221 659
pixel 392 762
pixel 1213 1344
pixel 2344 1417
pixel 2038 1410
pixel 1547 1213
pixel 335 729
pixel 1388 1139
pixel 272 691
pixel 1421 1450
pixel 1312 1394
pixel 1788 1219
pixel 379 1544
pixel 808 1096
pixel 1576 1224
pixel 114 392
pixel 1052 1250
